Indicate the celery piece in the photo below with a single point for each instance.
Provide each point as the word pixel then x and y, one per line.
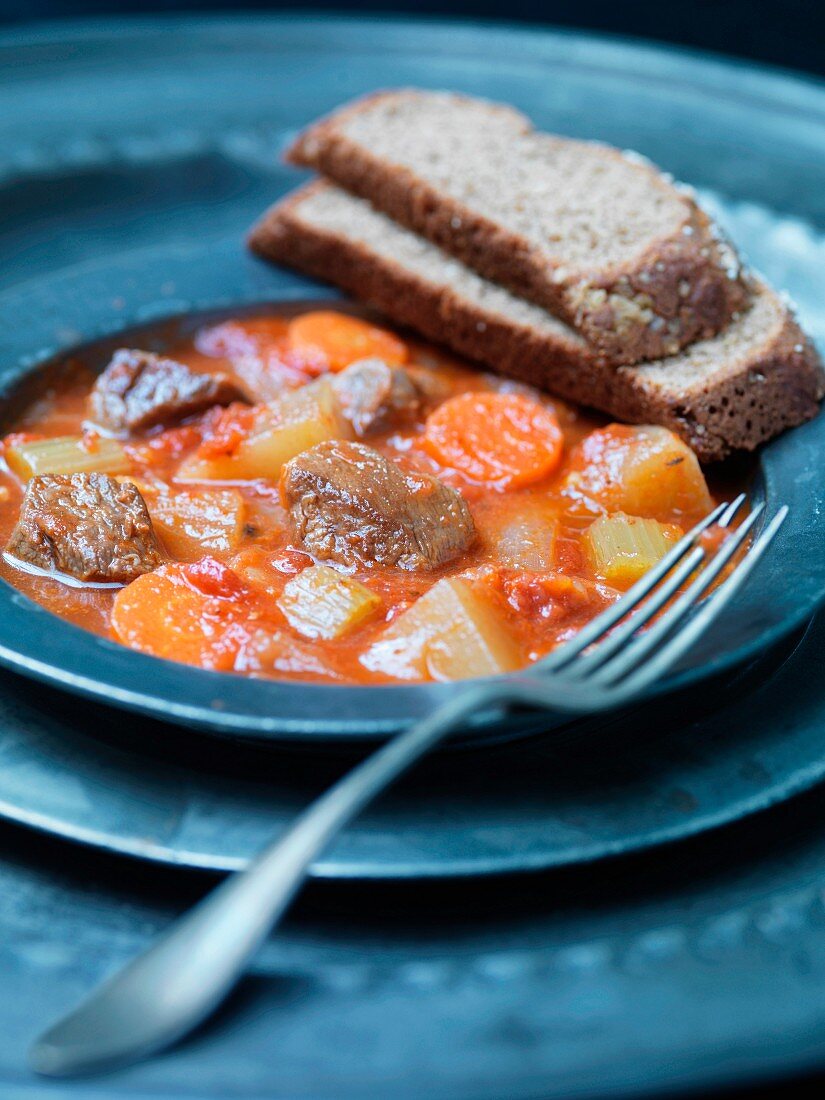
pixel 68 454
pixel 322 603
pixel 622 548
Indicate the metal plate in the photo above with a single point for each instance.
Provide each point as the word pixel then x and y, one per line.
pixel 124 169
pixel 587 792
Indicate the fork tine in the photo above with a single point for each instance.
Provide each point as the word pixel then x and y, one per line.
pixel 594 630
pixel 726 518
pixel 638 648
pixel 673 650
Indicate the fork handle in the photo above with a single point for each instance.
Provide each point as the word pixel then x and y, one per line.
pixel 168 990
pixel 164 993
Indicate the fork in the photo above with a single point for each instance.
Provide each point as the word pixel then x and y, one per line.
pixel 178 982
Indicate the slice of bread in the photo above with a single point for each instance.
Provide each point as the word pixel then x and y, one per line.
pixel 731 392
pixel 600 238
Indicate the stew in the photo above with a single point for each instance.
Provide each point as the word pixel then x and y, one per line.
pixel 316 497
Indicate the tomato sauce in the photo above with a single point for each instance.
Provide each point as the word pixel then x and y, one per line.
pixel 531 564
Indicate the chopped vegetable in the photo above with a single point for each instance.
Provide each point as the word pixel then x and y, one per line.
pixel 197 614
pixel 528 544
pixel 68 454
pixel 190 522
pixel 551 596
pixel 266 573
pixel 623 548
pixel 238 339
pixel 646 471
pixel 337 339
pixel 505 439
pixel 224 430
pixel 521 532
pixel 323 603
pixel 449 633
pixel 273 435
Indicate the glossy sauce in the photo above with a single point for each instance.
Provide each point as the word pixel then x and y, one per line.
pixel 541 606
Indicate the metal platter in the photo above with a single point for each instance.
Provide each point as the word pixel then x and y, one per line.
pixel 635 976
pixel 117 221
pixel 641 976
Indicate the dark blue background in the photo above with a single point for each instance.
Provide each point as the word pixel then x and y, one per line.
pixel 789 33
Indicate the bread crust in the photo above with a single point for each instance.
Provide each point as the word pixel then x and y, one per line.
pixel 777 387
pixel 678 289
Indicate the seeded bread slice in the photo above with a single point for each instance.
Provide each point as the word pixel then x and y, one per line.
pixel 600 238
pixel 728 393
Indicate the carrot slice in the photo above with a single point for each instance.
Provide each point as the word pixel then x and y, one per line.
pixel 194 614
pixel 338 340
pixel 505 439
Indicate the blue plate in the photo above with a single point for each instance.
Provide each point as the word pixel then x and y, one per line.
pixel 124 170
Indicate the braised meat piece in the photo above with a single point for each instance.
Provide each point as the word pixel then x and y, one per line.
pixel 349 504
pixel 432 386
pixel 87 526
pixel 375 396
pixel 139 390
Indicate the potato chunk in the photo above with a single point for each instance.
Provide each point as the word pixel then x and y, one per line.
pixel 521 534
pixel 645 471
pixel 280 431
pixel 323 603
pixel 67 454
pixel 623 548
pixel 450 633
pixel 191 522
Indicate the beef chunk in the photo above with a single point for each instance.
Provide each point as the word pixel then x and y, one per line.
pixel 432 387
pixel 375 396
pixel 348 503
pixel 139 390
pixel 88 526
